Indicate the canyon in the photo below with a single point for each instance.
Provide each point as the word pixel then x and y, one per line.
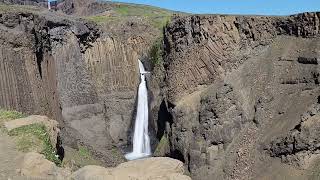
pixel 232 97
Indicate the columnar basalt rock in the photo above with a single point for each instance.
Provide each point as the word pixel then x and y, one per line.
pixel 72 71
pixel 48 73
pixel 114 68
pixel 232 85
pixel 228 96
pixel 221 43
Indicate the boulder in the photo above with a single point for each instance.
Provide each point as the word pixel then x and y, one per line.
pixel 93 172
pixel 160 168
pixel 36 166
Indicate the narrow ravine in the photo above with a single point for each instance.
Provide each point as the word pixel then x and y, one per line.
pixel 141 140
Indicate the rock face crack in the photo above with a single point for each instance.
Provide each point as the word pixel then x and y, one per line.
pixel 38 51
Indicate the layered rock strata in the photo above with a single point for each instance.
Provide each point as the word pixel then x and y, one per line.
pixel 231 85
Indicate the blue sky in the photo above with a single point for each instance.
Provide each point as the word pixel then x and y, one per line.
pixel 263 7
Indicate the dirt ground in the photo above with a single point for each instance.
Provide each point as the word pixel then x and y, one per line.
pixel 10 158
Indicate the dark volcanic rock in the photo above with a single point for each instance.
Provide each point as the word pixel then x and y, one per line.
pixel 234 84
pixel 43 71
pixel 72 71
pixel 221 43
pixel 301 141
pixel 220 116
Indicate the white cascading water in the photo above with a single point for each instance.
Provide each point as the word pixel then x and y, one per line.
pixel 141 140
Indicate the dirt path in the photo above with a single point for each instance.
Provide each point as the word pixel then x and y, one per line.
pixel 10 158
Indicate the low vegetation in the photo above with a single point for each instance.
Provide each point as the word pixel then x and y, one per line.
pixel 19 8
pixel 157 17
pixel 29 138
pixel 35 137
pixel 162 147
pixel 4 114
pixel 156 52
pixel 75 159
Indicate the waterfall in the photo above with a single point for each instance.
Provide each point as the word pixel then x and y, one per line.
pixel 141 140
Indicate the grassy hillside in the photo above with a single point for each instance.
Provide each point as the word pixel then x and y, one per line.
pixel 157 17
pixel 19 8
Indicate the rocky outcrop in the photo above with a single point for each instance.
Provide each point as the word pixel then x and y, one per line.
pixel 221 43
pixel 83 7
pixel 70 70
pixel 44 71
pixel 150 168
pixel 301 142
pixel 51 126
pixel 26 2
pixel 231 85
pixel 35 166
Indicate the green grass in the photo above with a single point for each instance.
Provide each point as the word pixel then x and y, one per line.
pixel 156 52
pixel 84 152
pixel 35 137
pixel 100 19
pixel 157 17
pixel 4 114
pixel 19 8
pixel 75 159
pixel 163 144
pixel 140 10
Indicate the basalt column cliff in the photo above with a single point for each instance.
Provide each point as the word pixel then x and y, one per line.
pixel 241 95
pixel 72 71
pixel 232 97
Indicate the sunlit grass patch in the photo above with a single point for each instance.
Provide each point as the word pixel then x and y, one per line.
pixel 162 146
pixel 4 114
pixel 75 159
pixel 35 137
pixel 99 19
pixel 156 52
pixel 19 8
pixel 157 17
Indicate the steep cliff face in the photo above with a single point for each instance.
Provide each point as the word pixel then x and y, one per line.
pixel 113 66
pixel 77 72
pixel 25 86
pixel 236 96
pixel 62 68
pixel 221 43
pixel 234 90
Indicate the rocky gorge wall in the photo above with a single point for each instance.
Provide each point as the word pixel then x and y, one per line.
pixel 231 85
pixel 221 43
pixel 25 86
pixel 236 96
pixel 71 71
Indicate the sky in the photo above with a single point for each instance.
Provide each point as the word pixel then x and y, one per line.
pixel 259 7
